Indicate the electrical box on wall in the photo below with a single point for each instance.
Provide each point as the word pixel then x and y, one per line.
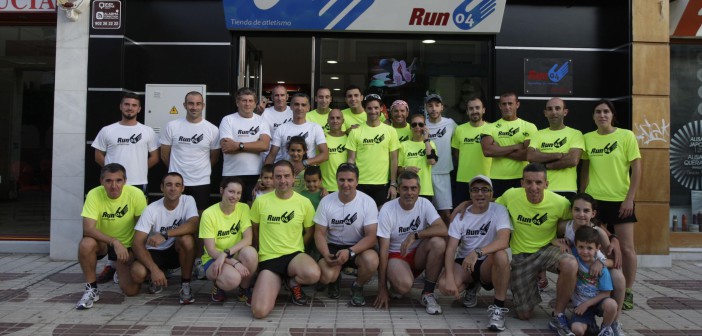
pixel 164 102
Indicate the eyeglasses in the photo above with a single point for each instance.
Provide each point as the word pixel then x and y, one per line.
pixel 417 124
pixel 372 96
pixel 483 190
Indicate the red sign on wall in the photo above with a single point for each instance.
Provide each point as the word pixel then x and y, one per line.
pixel 26 6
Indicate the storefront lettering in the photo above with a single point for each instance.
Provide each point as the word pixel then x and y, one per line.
pixel 19 5
pixel 421 17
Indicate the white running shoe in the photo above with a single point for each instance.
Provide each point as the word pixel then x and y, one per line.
pixel 429 301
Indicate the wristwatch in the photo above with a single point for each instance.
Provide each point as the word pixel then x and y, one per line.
pixel 479 252
pixel 351 253
pixel 165 234
pixel 241 146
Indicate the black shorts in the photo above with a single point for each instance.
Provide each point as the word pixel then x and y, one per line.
pixel 476 274
pixel 608 213
pixel 165 259
pixel 500 186
pixel 333 248
pixel 111 254
pixel 378 192
pixel 201 194
pixel 278 265
pixel 250 182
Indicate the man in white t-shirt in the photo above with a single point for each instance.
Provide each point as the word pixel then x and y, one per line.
pixel 412 239
pixel 481 238
pixel 129 143
pixel 278 114
pixel 190 146
pixel 346 224
pixel 312 132
pixel 244 136
pixel 163 238
pixel 440 132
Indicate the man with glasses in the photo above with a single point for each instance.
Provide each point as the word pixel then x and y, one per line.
pixel 373 147
pixel 481 238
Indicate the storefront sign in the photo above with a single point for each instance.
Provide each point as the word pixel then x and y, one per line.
pixel 548 76
pixel 25 6
pixel 452 16
pixel 107 14
pixel 686 155
pixel 685 20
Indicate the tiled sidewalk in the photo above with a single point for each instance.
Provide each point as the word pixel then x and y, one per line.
pixel 37 297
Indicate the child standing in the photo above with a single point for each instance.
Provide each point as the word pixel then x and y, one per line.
pixel 313 185
pixel 266 181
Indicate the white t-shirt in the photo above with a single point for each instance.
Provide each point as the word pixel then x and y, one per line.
pixel 396 223
pixel 441 134
pixel 478 230
pixel 312 132
pixel 345 222
pixel 129 146
pixel 274 119
pixel 191 144
pixel 241 129
pixel 156 219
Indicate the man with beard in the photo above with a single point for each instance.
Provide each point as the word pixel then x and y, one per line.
pixel 466 146
pixel 440 132
pixel 399 111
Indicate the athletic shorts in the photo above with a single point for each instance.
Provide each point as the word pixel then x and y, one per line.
pixel 409 259
pixel 378 192
pixel 588 317
pixel 500 186
pixel 333 248
pixel 111 254
pixel 442 191
pixel 201 194
pixel 278 265
pixel 165 259
pixel 475 275
pixel 608 213
pixel 523 277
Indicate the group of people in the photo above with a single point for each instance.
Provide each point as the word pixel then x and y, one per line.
pixel 306 194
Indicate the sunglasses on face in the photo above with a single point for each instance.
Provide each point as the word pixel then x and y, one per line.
pixel 417 124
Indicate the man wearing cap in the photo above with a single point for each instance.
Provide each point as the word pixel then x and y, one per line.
pixel 440 132
pixel 558 147
pixel 373 147
pixel 466 147
pixel 399 111
pixel 355 115
pixel 320 115
pixel 481 238
pixel 506 142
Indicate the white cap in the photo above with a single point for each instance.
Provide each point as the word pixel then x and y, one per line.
pixel 480 178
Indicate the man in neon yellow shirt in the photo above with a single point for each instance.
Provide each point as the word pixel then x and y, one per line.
pixel 506 142
pixel 466 146
pixel 279 220
pixel 399 111
pixel 373 147
pixel 320 114
pixel 336 144
pixel 109 215
pixel 355 115
pixel 559 148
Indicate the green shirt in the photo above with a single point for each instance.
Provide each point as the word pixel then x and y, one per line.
pixel 226 230
pixel 534 225
pixel 314 197
pixel 471 161
pixel 610 159
pixel 413 154
pixel 337 155
pixel 321 120
pixel 506 133
pixel 373 146
pixel 560 141
pixel 351 118
pixel 281 223
pixel 115 217
pixel 403 134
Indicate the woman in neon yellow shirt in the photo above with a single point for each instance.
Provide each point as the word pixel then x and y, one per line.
pixel 418 155
pixel 610 153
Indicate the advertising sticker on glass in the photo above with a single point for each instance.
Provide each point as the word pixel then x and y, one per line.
pixel 548 76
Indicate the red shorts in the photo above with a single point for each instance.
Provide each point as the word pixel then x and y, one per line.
pixel 409 259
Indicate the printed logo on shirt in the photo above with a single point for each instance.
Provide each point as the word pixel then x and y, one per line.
pixel 538 219
pixel 413 226
pixel 511 132
pixel 176 223
pixel 609 148
pixel 419 153
pixel 556 144
pixel 252 131
pixel 404 138
pixel 234 229
pixel 439 133
pixel 339 149
pixel 303 135
pixel 284 218
pixel 348 220
pixel 376 140
pixel 480 232
pixel 276 125
pixel 131 140
pixel 121 212
pixel 472 140
pixel 195 139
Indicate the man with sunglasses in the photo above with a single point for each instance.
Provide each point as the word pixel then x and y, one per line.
pixel 373 147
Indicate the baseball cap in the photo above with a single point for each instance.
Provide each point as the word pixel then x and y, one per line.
pixel 433 96
pixel 480 178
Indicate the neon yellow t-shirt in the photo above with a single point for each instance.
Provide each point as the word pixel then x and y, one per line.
pixel 506 133
pixel 560 141
pixel 403 134
pixel 321 120
pixel 351 118
pixel 337 156
pixel 373 146
pixel 534 224
pixel 610 159
pixel 471 161
pixel 227 230
pixel 281 224
pixel 413 153
pixel 115 217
